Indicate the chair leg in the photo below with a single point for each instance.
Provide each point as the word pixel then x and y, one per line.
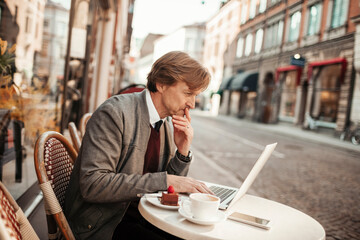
pixel 52 228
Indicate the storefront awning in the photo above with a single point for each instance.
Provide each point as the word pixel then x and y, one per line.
pixel 225 83
pixel 245 81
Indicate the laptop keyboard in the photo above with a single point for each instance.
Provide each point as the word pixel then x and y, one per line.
pixel 222 193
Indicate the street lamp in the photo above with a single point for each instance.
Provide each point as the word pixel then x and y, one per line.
pixel 297 56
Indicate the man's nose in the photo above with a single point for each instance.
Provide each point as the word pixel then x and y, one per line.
pixel 191 103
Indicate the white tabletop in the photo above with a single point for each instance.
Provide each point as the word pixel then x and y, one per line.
pixel 287 222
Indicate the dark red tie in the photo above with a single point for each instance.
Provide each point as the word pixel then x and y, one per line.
pixel 152 154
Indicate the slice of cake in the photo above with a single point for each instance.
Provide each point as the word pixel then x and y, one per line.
pixel 171 199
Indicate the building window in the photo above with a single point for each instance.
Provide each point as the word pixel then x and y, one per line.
pixel 243 12
pixel 339 13
pixel 230 15
pixel 190 44
pixel 274 35
pixel 294 29
pixel 36 30
pixel 46 23
pixel 258 40
pixel 272 2
pixel 314 19
pixel 28 25
pixel 262 6
pixel 45 48
pixel 248 44
pixel 240 47
pixel 15 15
pixel 252 10
pixel 216 49
pixel 280 31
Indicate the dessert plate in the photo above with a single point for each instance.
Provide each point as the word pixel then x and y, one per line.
pixel 185 211
pixel 155 200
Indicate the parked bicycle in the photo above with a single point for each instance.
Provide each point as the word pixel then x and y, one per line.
pixel 351 133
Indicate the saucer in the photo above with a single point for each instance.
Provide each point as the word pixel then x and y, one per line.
pixel 186 213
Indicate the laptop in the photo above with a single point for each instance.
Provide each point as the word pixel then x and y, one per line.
pixel 229 195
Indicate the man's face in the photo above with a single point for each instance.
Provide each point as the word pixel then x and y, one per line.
pixel 177 97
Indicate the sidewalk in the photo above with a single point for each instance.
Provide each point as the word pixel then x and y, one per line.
pixel 288 129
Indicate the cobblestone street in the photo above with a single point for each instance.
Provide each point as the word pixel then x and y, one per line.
pixel 319 179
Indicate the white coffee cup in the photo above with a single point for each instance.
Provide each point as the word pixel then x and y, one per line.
pixel 204 206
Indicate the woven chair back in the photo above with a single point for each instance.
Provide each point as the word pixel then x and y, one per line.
pixel 83 121
pixel 9 227
pixel 75 137
pixel 13 223
pixel 54 159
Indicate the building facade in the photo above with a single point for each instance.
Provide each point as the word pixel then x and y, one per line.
pixel 50 62
pixel 303 52
pixel 355 105
pixel 189 39
pixel 221 30
pixel 145 59
pixel 109 32
pixel 21 22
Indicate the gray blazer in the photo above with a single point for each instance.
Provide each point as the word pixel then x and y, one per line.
pixel 108 172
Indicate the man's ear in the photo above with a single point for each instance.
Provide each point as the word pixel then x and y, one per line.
pixel 160 87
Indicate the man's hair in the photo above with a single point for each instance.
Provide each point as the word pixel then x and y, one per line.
pixel 178 66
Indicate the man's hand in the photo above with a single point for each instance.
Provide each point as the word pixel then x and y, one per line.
pixel 183 132
pixel 187 184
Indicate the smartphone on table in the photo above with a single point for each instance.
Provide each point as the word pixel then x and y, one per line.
pixel 251 220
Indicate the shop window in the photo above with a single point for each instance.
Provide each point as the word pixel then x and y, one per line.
pixel 339 13
pixel 240 47
pixel 248 44
pixel 250 104
pixel 314 19
pixel 327 94
pixel 258 40
pixel 294 29
pixel 288 95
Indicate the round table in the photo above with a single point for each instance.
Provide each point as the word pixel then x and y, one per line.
pixel 286 222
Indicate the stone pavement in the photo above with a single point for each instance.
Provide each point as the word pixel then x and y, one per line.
pixel 319 174
pixel 288 129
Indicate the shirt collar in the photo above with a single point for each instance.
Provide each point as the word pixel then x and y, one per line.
pixel 153 114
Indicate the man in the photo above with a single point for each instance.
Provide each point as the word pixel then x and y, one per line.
pixel 119 157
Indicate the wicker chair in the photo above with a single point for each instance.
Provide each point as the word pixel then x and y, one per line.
pixel 54 159
pixel 13 223
pixel 75 137
pixel 83 121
